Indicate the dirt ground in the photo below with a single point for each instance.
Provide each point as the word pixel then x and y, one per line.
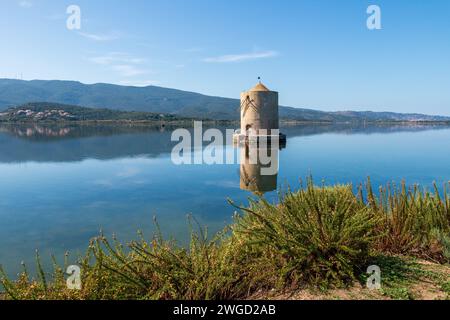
pixel 428 282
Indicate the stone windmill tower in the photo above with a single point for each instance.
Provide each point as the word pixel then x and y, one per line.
pixel 259 110
pixel 259 113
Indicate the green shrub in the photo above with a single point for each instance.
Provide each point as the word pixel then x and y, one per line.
pixel 44 287
pixel 414 222
pixel 320 235
pixel 162 269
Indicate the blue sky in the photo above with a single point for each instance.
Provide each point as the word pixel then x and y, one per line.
pixel 316 53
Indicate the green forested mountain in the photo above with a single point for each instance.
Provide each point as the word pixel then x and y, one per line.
pixel 167 101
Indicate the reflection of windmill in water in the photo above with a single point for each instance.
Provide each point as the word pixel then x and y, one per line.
pixel 247 180
pixel 252 175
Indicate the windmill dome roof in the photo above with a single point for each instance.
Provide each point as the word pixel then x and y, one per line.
pixel 260 87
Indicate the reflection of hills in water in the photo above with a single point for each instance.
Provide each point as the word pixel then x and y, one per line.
pixel 39 131
pixel 63 143
pixel 370 128
pixel 76 143
pixel 44 133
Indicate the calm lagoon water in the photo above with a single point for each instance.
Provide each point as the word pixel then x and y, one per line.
pixel 59 186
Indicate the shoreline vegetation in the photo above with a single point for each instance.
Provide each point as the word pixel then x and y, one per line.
pixel 313 243
pixel 189 122
pixel 54 113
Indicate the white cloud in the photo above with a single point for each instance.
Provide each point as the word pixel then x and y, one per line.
pixel 25 4
pixel 128 70
pixel 99 37
pixel 128 173
pixel 122 63
pixel 242 57
pixel 116 57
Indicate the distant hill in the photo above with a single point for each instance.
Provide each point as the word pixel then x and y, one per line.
pixel 391 116
pixel 150 99
pixel 43 111
pixel 168 101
